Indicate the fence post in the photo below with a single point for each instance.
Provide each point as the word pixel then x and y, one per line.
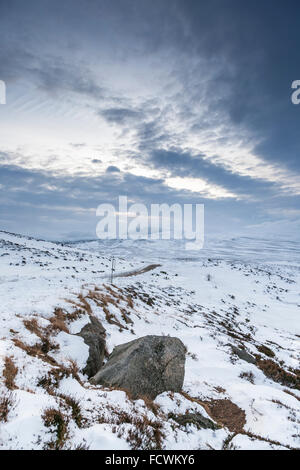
pixel 113 263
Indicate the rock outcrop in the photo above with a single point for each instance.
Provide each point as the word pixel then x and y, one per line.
pixel 93 334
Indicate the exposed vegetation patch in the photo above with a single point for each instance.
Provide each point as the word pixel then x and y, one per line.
pixel 33 326
pixel 292 394
pixel 143 434
pixel 111 295
pixel 247 376
pixel 7 403
pixel 44 334
pixel 75 409
pixel 274 372
pixel 270 441
pixel 51 381
pixel 58 321
pixel 39 350
pixel 154 407
pixel 57 422
pixel 227 443
pixel 10 371
pixel 79 311
pixel 265 350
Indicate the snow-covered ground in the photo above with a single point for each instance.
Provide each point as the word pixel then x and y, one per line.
pixel 240 294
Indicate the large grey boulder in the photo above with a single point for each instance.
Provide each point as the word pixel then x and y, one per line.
pixel 93 334
pixel 145 367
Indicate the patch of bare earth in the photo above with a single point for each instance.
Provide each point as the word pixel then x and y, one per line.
pixel 227 414
pixel 224 412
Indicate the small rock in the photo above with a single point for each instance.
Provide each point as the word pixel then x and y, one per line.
pixel 243 355
pixel 194 418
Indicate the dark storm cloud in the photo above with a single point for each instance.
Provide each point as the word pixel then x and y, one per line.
pixel 19 186
pixel 51 74
pixel 55 76
pixel 40 34
pixel 259 40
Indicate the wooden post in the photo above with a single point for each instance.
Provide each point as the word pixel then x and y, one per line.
pixel 113 263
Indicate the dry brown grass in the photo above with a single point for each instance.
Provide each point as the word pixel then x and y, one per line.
pixel 75 409
pixel 220 389
pixel 115 294
pixel 33 326
pixel 292 394
pixel 110 318
pixel 84 304
pixel 58 321
pixel 111 295
pixel 57 422
pixel 144 434
pixel 125 316
pixel 274 372
pixel 193 399
pixel 103 300
pixel 265 350
pixel 9 373
pixel 58 324
pixel 7 403
pixel 264 439
pixel 39 350
pixel 129 301
pixel 46 345
pixel 281 405
pixel 50 381
pixel 151 405
pixel 77 312
pixel 226 413
pixel 247 376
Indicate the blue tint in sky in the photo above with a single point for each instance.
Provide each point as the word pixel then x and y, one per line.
pixel 163 101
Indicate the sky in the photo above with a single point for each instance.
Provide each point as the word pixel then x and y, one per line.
pixel 174 101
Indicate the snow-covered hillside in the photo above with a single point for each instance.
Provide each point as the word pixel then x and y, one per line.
pixel 238 316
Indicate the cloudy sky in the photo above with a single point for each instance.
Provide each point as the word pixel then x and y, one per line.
pixel 163 101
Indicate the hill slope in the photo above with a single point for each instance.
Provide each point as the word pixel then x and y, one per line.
pixel 220 309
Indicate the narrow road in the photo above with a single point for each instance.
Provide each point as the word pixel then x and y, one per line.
pixel 136 272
